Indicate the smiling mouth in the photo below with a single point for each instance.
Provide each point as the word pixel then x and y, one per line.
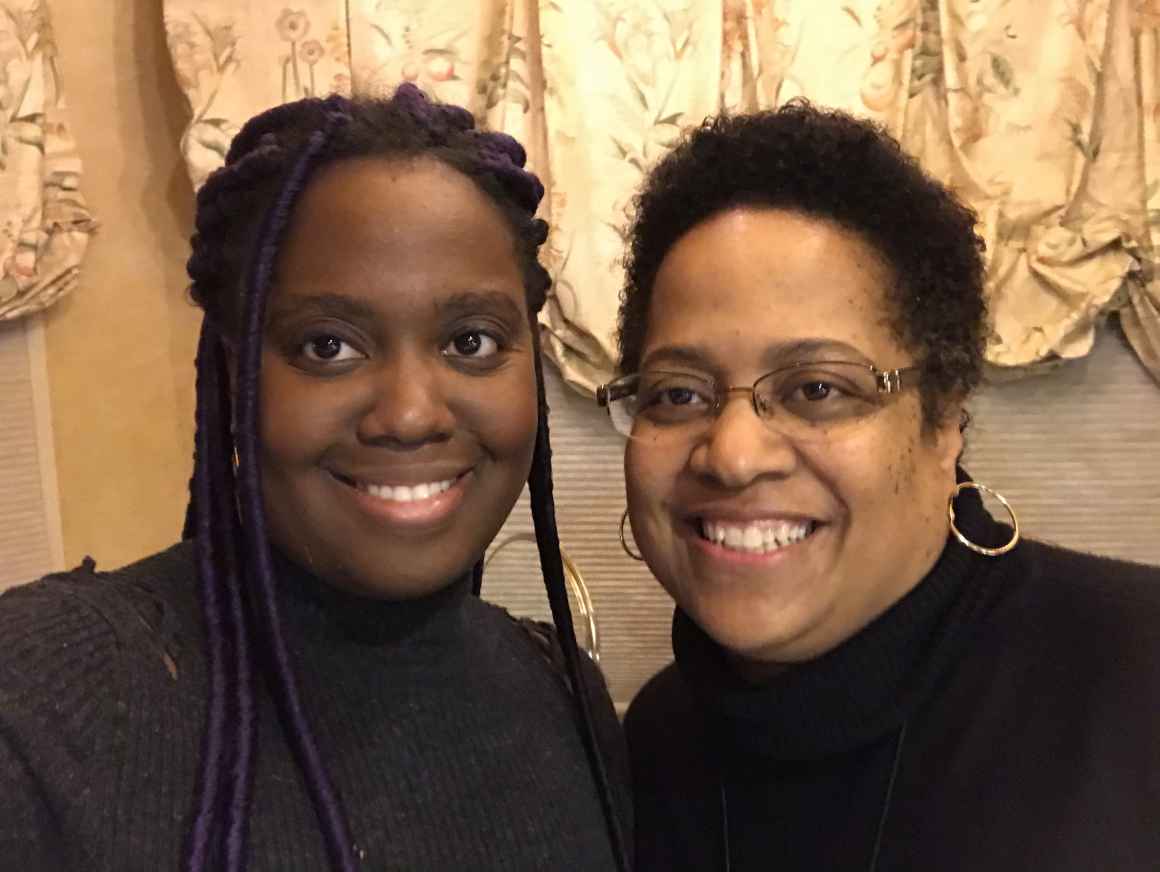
pixel 755 537
pixel 399 493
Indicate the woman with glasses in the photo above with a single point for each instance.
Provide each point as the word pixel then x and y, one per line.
pixel 871 672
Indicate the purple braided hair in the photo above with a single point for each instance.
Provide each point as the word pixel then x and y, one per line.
pixel 334 827
pixel 232 543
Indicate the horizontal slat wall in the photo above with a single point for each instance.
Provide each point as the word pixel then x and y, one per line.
pixel 26 547
pixel 631 608
pixel 1076 451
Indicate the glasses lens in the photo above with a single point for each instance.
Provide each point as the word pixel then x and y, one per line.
pixel 620 412
pixel 804 401
pixel 620 399
pixel 814 399
pixel 672 398
pixel 653 404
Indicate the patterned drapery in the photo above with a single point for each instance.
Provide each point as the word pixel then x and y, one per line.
pixel 1043 114
pixel 46 224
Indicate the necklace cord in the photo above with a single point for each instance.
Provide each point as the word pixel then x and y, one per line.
pixel 889 796
pixel 881 820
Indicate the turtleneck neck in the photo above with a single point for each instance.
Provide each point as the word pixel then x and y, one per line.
pixel 316 608
pixel 866 686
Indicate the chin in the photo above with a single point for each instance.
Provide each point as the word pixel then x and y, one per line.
pixel 753 631
pixel 748 643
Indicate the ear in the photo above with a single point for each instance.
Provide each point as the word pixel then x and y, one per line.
pixel 948 436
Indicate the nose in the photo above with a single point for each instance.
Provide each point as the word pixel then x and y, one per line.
pixel 738 448
pixel 406 406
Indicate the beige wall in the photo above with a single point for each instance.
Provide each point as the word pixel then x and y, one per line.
pixel 120 349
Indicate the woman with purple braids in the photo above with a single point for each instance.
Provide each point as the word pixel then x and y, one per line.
pixel 307 681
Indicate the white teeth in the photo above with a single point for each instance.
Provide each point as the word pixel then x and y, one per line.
pixel 405 494
pixel 757 537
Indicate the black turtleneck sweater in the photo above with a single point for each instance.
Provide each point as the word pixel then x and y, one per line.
pixel 451 740
pixel 1003 716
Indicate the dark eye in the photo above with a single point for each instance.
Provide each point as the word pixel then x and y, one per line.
pixel 327 348
pixel 816 391
pixel 678 396
pixel 673 398
pixel 822 397
pixel 472 343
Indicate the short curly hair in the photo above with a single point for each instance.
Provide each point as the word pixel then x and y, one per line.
pixel 827 164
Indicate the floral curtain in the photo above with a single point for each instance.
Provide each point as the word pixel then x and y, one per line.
pixel 46 225
pixel 1043 114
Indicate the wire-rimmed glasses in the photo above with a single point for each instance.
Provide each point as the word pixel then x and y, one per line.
pixel 804 401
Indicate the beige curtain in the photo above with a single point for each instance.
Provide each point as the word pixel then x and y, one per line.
pixel 46 224
pixel 1043 114
pixel 1140 315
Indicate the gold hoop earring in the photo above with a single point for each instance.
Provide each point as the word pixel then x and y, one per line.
pixel 624 542
pixel 979 549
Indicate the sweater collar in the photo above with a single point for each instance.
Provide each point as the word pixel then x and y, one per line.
pixel 869 684
pixel 316 608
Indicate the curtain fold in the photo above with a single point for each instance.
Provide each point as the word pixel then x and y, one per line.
pixel 1140 315
pixel 45 222
pixel 1044 115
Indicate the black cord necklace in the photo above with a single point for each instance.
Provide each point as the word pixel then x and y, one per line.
pixel 882 818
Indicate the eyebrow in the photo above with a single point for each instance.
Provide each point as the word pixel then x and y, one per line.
pixel 686 354
pixel 334 305
pixel 475 302
pixel 354 309
pixel 812 349
pixel 776 354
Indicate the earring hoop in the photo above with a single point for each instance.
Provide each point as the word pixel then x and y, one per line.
pixel 979 549
pixel 624 542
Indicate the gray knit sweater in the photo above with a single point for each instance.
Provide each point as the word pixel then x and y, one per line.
pixel 451 741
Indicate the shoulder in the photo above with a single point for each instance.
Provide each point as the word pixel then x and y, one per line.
pixel 538 643
pixel 1117 576
pixel 1054 697
pixel 88 584
pixel 1069 631
pixel 107 602
pixel 536 646
pixel 524 641
pixel 67 635
pixel 1065 595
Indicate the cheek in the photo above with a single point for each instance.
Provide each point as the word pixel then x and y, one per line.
pixel 284 433
pixel 301 418
pixel 641 475
pixel 870 475
pixel 897 478
pixel 503 415
pixel 651 477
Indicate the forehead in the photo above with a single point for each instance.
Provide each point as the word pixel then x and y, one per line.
pixel 398 232
pixel 749 283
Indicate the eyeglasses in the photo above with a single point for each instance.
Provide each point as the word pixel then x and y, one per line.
pixel 804 401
